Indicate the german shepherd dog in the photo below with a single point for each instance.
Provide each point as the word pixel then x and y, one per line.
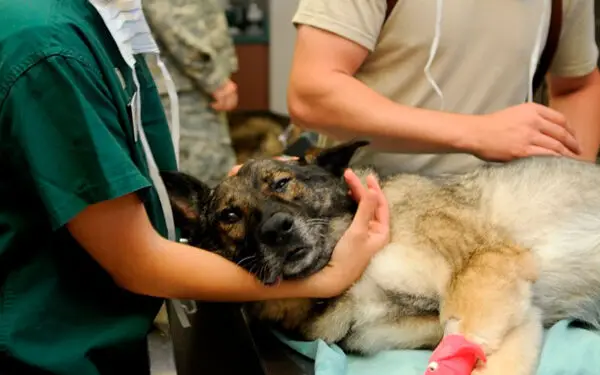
pixel 495 254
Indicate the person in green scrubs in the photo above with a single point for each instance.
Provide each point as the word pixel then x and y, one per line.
pixel 86 255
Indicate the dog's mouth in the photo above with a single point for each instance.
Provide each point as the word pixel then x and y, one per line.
pixel 305 251
pixel 273 281
pixel 298 263
pixel 273 274
pixel 296 254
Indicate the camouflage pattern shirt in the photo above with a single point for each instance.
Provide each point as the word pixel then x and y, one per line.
pixel 199 52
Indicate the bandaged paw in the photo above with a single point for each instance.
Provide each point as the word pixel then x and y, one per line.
pixel 455 355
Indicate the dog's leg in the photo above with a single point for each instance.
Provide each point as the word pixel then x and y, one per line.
pixel 333 324
pixel 406 332
pixel 488 297
pixel 519 352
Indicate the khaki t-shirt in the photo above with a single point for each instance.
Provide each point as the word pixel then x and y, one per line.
pixel 481 64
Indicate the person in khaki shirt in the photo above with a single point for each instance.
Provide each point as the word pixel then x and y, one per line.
pixel 354 75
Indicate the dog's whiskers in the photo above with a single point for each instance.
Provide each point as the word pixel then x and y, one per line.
pixel 250 264
pixel 305 227
pixel 247 259
pixel 253 269
pixel 317 221
pixel 262 271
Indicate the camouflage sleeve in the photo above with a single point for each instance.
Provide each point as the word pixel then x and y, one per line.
pixel 194 33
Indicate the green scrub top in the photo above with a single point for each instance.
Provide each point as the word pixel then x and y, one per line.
pixel 66 141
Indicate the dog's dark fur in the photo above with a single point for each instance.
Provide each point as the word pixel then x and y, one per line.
pixel 241 219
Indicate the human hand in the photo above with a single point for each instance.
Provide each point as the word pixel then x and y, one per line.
pixel 368 233
pixel 236 168
pixel 226 97
pixel 524 130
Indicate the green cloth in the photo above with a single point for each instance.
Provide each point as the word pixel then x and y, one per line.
pixel 66 142
pixel 568 349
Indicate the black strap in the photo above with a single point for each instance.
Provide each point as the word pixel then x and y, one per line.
pixel 388 10
pixel 551 44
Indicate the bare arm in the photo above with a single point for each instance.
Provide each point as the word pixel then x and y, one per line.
pixel 119 236
pixel 324 96
pixel 573 79
pixel 577 98
pixel 329 103
pixel 142 261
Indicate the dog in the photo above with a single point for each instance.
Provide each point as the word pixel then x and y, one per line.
pixel 495 254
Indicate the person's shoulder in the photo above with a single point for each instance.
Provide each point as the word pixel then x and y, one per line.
pixel 34 24
pixel 33 30
pixel 357 20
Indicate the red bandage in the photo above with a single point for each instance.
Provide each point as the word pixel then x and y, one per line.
pixel 454 356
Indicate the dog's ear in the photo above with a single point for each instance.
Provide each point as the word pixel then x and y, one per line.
pixel 334 159
pixel 188 197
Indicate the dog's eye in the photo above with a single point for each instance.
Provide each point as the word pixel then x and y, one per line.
pixel 230 216
pixel 280 185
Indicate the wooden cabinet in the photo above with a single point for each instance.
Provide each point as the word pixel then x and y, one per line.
pixel 252 76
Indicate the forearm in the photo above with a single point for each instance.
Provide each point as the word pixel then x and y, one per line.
pixel 213 66
pixel 142 261
pixel 206 76
pixel 178 271
pixel 582 111
pixel 331 106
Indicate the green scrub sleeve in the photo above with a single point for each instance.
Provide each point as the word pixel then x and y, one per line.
pixel 67 139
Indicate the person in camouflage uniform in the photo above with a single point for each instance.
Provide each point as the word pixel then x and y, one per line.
pixel 199 52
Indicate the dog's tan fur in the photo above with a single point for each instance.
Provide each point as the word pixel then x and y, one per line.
pixel 469 262
pixel 493 255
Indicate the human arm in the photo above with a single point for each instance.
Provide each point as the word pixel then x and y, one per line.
pixel 199 44
pixel 119 236
pixel 328 104
pixel 333 42
pixel 574 81
pixel 77 155
pixel 225 97
pixel 577 99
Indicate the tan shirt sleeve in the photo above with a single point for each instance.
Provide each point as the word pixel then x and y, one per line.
pixel 357 20
pixel 577 52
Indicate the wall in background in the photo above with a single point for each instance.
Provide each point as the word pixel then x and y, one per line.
pixel 252 49
pixel 281 50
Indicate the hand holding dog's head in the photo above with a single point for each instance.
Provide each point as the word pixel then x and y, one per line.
pixel 273 217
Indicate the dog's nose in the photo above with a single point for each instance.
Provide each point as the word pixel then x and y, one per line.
pixel 277 229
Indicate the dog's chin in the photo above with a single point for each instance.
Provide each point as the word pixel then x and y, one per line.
pixel 305 262
pixel 299 263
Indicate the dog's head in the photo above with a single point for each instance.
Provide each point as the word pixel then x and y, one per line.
pixel 274 217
